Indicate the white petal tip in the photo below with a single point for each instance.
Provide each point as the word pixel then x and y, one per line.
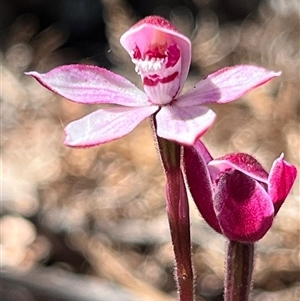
pixel 277 73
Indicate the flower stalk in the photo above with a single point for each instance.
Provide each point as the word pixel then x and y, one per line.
pixel 178 216
pixel 239 270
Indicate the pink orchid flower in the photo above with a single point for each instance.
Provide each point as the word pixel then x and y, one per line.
pixel 162 57
pixel 234 194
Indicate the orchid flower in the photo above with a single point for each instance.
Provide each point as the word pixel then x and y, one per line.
pixel 162 58
pixel 234 193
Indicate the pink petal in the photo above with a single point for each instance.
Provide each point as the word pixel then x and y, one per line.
pixel 105 125
pixel 226 85
pixel 183 125
pixel 242 162
pixel 281 179
pixel 203 151
pixel 200 185
pixel 91 85
pixel 205 154
pixel 244 209
pixel 154 28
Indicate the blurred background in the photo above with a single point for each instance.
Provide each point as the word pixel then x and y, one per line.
pixel 90 224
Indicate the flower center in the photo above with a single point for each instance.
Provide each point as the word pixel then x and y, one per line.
pixel 159 66
pixel 155 58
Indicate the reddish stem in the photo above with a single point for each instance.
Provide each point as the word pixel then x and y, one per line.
pixel 178 215
pixel 239 269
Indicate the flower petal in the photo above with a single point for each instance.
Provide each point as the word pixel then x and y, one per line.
pixel 281 179
pixel 200 185
pixel 91 85
pixel 226 85
pixel 153 29
pixel 242 162
pixel 105 125
pixel 183 125
pixel 203 151
pixel 244 209
pixel 205 154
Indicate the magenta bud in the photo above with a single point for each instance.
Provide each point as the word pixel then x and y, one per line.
pixel 234 194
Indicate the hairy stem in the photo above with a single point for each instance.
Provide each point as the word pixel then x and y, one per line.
pixel 178 215
pixel 239 269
